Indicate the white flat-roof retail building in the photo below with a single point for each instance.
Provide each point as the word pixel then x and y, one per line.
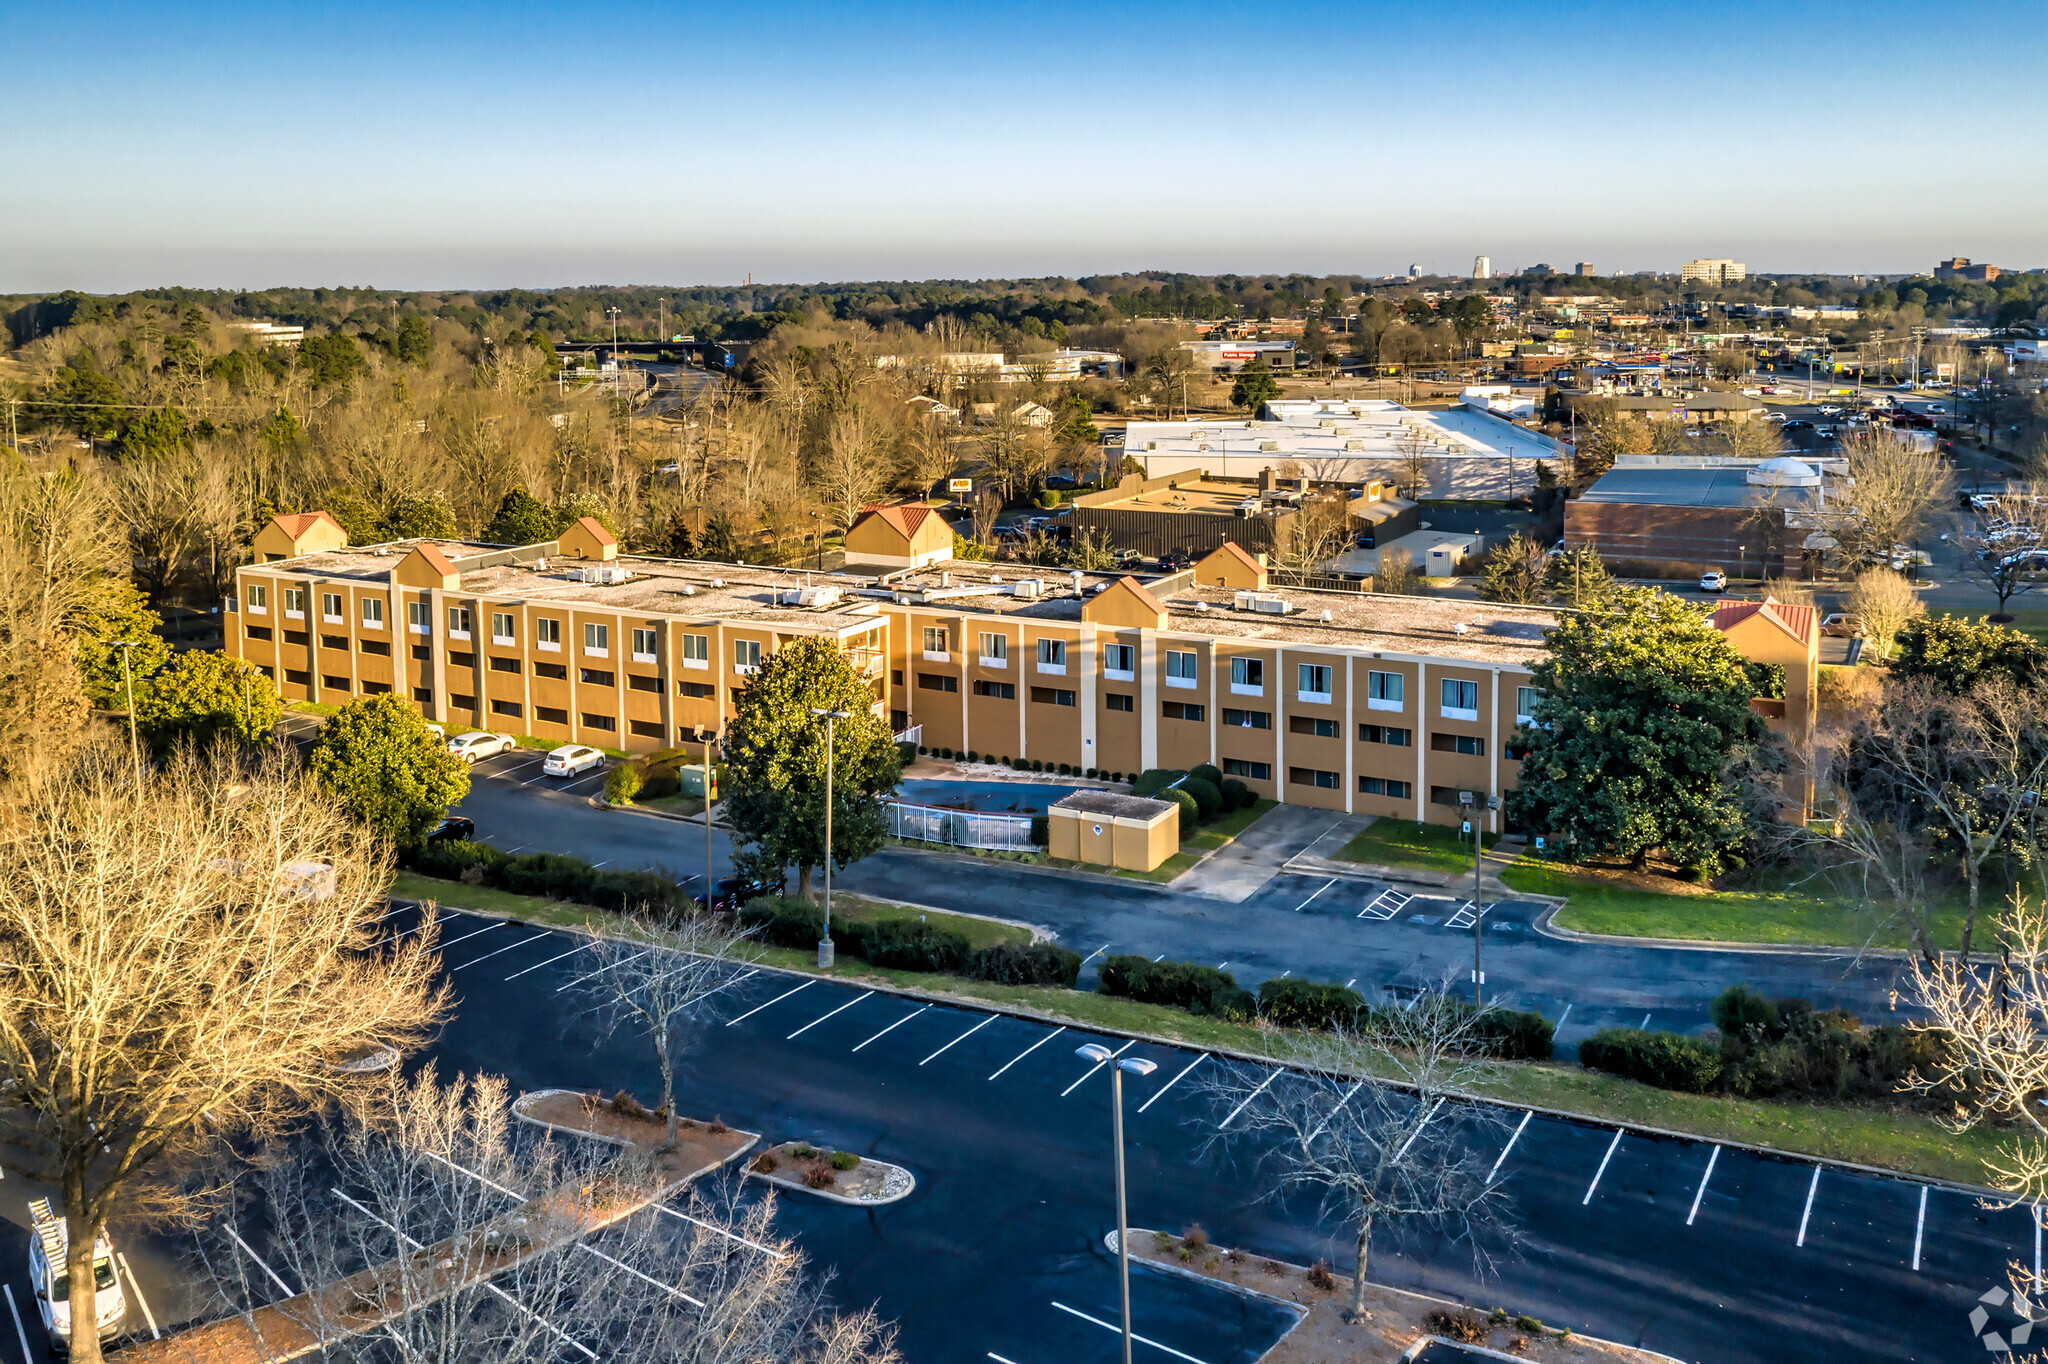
pixel 1464 452
pixel 1231 355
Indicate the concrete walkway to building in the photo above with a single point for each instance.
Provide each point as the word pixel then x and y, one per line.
pixel 1316 861
pixel 1236 871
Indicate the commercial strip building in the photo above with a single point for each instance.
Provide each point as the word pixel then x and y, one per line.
pixel 1194 513
pixel 1463 452
pixel 1767 516
pixel 1342 701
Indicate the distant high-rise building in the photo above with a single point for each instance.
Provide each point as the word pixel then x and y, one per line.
pixel 1959 267
pixel 1414 270
pixel 1482 267
pixel 1714 271
pixel 1585 268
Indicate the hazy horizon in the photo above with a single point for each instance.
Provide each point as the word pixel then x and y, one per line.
pixel 475 148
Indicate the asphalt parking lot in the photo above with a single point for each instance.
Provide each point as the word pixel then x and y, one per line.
pixel 1705 1253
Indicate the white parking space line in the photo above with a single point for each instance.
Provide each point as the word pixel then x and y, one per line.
pixel 1134 1335
pixel 1509 1147
pixel 551 960
pixel 250 1251
pixel 26 1355
pixel 894 1026
pixel 1161 957
pixel 493 1289
pixel 1919 1228
pixel 1418 1129
pixel 728 1235
pixel 672 1291
pixel 999 1359
pixel 834 1014
pixel 958 1040
pixel 1336 1110
pixel 501 951
pixel 1809 1206
pixel 1318 891
pixel 1028 1050
pixel 1701 1192
pixel 1562 1017
pixel 467 936
pixel 2037 1245
pixel 1386 904
pixel 1098 1066
pixel 392 913
pixel 1247 1100
pixel 121 1259
pixel 777 1000
pixel 1603 1168
pixel 1171 1083
pixel 1645 1024
pixel 1096 953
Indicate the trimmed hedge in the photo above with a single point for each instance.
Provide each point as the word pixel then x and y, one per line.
pixel 909 945
pixel 1516 1035
pixel 1041 963
pixel 551 876
pixel 1180 984
pixel 1664 1059
pixel 1294 1003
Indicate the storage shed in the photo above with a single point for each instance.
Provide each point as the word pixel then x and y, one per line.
pixel 1109 830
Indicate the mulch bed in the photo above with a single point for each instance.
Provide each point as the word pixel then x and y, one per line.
pixel 1397 1319
pixel 699 1145
pixel 799 1165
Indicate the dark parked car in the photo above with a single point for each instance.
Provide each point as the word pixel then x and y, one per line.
pixel 453 829
pixel 731 892
pixel 1174 561
pixel 1061 481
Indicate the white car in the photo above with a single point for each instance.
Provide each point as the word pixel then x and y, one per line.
pixel 1713 580
pixel 436 730
pixel 480 743
pixel 1830 410
pixel 48 1250
pixel 570 759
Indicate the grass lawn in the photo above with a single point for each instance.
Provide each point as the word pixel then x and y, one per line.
pixel 1219 831
pixel 1405 843
pixel 314 708
pixel 674 805
pixel 1903 1140
pixel 1817 916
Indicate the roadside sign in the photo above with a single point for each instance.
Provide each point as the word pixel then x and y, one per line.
pixel 959 485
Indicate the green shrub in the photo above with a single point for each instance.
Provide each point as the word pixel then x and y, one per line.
pixel 1663 1059
pixel 1179 984
pixel 1190 813
pixel 844 1160
pixel 1040 963
pixel 1516 1035
pixel 945 753
pixel 911 945
pixel 1739 1011
pixel 1236 795
pixel 1154 780
pixel 1049 498
pixel 1090 774
pixel 1207 772
pixel 622 783
pixel 907 752
pixel 1041 831
pixel 784 921
pixel 1294 1003
pixel 1208 800
pixel 660 781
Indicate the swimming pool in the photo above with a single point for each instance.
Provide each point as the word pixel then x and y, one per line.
pixel 1013 797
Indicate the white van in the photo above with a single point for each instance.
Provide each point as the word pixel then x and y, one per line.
pixel 48 1252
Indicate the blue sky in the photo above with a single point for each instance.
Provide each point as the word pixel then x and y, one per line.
pixel 460 146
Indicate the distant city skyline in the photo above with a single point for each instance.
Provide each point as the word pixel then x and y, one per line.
pixel 522 145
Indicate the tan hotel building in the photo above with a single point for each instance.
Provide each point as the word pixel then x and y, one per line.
pixel 1361 703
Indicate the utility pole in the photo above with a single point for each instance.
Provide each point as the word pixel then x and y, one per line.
pixel 825 938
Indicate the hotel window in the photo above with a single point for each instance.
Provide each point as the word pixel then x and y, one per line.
pixel 458 622
pixel 643 646
pixel 1471 745
pixel 1315 681
pixel 746 655
pixel 373 613
pixel 594 677
pixel 259 598
pixel 1310 724
pixel 1525 704
pixel 1383 691
pixel 330 607
pixel 1248 674
pixel 1384 786
pixel 1180 668
pixel 295 602
pixel 936 643
pixel 696 691
pixel 503 631
pixel 1247 719
pixel 1052 696
pixel 1118 660
pixel 1460 699
pixel 547 633
pixel 504 665
pixel 1385 734
pixel 1001 691
pixel 597 640
pixel 696 651
pixel 558 672
pixel 1310 776
pixel 641 682
pixel 605 722
pixel 937 682
pixel 1243 767
pixel 995 651
pixel 416 617
pixel 1052 655
pixel 510 709
pixel 1116 700
pixel 1182 710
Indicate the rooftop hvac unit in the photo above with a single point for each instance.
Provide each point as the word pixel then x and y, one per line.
pixel 1269 445
pixel 1242 601
pixel 718 582
pixel 818 598
pixel 1327 424
pixel 1270 605
pixel 1326 615
pixel 610 573
pixel 1031 589
pixel 689 589
pixel 1354 445
pixel 1201 606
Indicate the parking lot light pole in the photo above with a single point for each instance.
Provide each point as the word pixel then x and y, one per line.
pixel 1136 1065
pixel 825 938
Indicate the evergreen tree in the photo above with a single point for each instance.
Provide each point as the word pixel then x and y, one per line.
pixel 203 698
pixel 378 759
pixel 521 519
pixel 1254 386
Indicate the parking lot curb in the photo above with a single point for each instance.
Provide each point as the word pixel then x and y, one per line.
pixel 894 1190
pixel 1543 925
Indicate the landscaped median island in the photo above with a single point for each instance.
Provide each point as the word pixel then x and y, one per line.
pixel 1395 1321
pixel 840 1176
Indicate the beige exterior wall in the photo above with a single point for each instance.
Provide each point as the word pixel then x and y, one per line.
pixel 1105 841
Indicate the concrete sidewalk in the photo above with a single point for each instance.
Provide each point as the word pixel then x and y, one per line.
pixel 1311 862
pixel 1235 871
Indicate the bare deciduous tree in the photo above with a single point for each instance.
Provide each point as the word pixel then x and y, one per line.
pixel 1317 532
pixel 53 547
pixel 1397 575
pixel 188 964
pixel 668 974
pixel 1897 487
pixel 425 1164
pixel 1382 1156
pixel 1883 603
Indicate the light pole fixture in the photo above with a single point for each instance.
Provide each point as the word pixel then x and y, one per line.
pixel 825 938
pixel 615 334
pixel 1473 805
pixel 1136 1065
